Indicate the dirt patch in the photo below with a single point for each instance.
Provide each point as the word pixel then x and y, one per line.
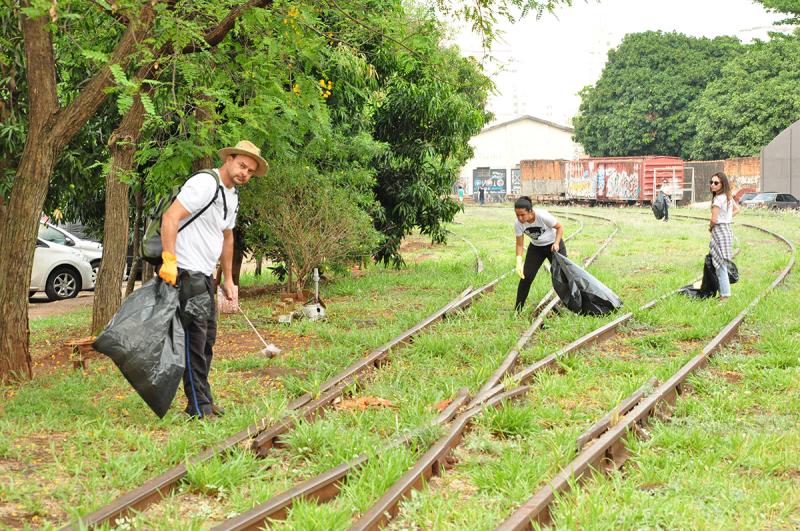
pixel 235 345
pixel 412 244
pixel 453 486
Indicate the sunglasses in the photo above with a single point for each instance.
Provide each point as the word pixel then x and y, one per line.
pixel 715 182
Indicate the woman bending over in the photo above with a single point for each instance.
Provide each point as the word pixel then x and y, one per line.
pixel 545 233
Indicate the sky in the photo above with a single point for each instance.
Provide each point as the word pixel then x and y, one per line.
pixel 540 65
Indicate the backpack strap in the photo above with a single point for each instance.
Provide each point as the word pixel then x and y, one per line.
pixel 216 193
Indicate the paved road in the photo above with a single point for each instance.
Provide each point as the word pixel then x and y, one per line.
pixel 39 306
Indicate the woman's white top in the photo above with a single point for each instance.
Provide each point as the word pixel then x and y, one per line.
pixel 541 231
pixel 725 208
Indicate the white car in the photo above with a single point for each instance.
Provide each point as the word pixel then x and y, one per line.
pixel 60 271
pixel 93 251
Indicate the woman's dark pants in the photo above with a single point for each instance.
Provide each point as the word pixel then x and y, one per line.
pixel 533 261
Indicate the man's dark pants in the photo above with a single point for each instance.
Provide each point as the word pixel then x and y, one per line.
pixel 200 339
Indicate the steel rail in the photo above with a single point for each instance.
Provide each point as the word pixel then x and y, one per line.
pixel 325 485
pixel 429 464
pixel 433 460
pixel 608 451
pixel 306 406
pixel 548 303
pixel 380 513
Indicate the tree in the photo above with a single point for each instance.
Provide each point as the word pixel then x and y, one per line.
pixel 755 98
pixel 643 100
pixel 789 7
pixel 52 123
pixel 122 146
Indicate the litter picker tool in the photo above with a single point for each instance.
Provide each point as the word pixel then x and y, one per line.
pixel 268 348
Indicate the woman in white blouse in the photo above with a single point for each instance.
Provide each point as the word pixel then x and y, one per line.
pixel 723 208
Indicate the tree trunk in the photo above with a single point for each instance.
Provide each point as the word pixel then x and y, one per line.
pixel 50 128
pixel 122 145
pixel 259 263
pixel 28 196
pixel 136 260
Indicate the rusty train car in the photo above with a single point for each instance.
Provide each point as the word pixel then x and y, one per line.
pixel 630 180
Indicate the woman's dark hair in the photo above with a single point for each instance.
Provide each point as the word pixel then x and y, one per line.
pixel 525 202
pixel 726 185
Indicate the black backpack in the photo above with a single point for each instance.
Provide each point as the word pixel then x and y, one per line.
pixel 151 241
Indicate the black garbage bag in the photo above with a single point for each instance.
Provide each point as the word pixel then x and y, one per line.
pixel 579 290
pixel 659 206
pixel 146 341
pixel 709 286
pixel 733 273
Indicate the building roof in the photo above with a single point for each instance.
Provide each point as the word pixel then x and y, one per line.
pixel 531 118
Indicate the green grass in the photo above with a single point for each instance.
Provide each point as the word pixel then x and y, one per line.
pixel 70 443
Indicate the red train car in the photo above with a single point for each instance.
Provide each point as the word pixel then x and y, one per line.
pixel 622 179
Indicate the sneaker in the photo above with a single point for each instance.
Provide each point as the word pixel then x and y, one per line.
pixel 217 410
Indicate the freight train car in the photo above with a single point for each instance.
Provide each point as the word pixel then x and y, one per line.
pixel 622 179
pixel 543 180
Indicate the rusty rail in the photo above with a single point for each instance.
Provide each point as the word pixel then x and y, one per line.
pixel 608 451
pixel 326 485
pixel 264 432
pixel 433 460
pixel 543 309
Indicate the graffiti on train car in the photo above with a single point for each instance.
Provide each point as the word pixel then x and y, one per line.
pixel 622 184
pixel 579 182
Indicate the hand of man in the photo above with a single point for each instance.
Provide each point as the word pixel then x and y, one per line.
pixel 169 268
pixel 555 246
pixel 520 268
pixel 228 288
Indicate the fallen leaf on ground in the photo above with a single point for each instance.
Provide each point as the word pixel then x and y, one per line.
pixel 442 405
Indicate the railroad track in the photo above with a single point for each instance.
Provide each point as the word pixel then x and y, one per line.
pixel 263 435
pixel 602 447
pixel 327 485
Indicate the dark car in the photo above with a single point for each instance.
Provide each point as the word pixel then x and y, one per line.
pixel 772 200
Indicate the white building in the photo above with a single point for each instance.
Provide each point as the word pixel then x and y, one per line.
pixel 500 147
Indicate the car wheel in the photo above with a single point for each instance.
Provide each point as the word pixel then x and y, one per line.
pixel 95 269
pixel 63 283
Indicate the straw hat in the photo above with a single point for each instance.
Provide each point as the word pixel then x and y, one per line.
pixel 245 147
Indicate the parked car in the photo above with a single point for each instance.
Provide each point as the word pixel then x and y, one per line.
pixel 772 200
pixel 93 251
pixel 747 196
pixel 60 271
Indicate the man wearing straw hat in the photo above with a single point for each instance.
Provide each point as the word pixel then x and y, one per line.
pixel 208 201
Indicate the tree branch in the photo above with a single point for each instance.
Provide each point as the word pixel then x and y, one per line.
pixel 70 119
pixel 215 35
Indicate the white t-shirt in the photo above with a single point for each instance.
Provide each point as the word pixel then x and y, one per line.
pixel 199 245
pixel 541 231
pixel 725 208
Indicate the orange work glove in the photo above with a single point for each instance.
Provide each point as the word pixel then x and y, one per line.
pixel 169 269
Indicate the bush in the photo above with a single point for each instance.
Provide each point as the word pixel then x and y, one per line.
pixel 311 221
